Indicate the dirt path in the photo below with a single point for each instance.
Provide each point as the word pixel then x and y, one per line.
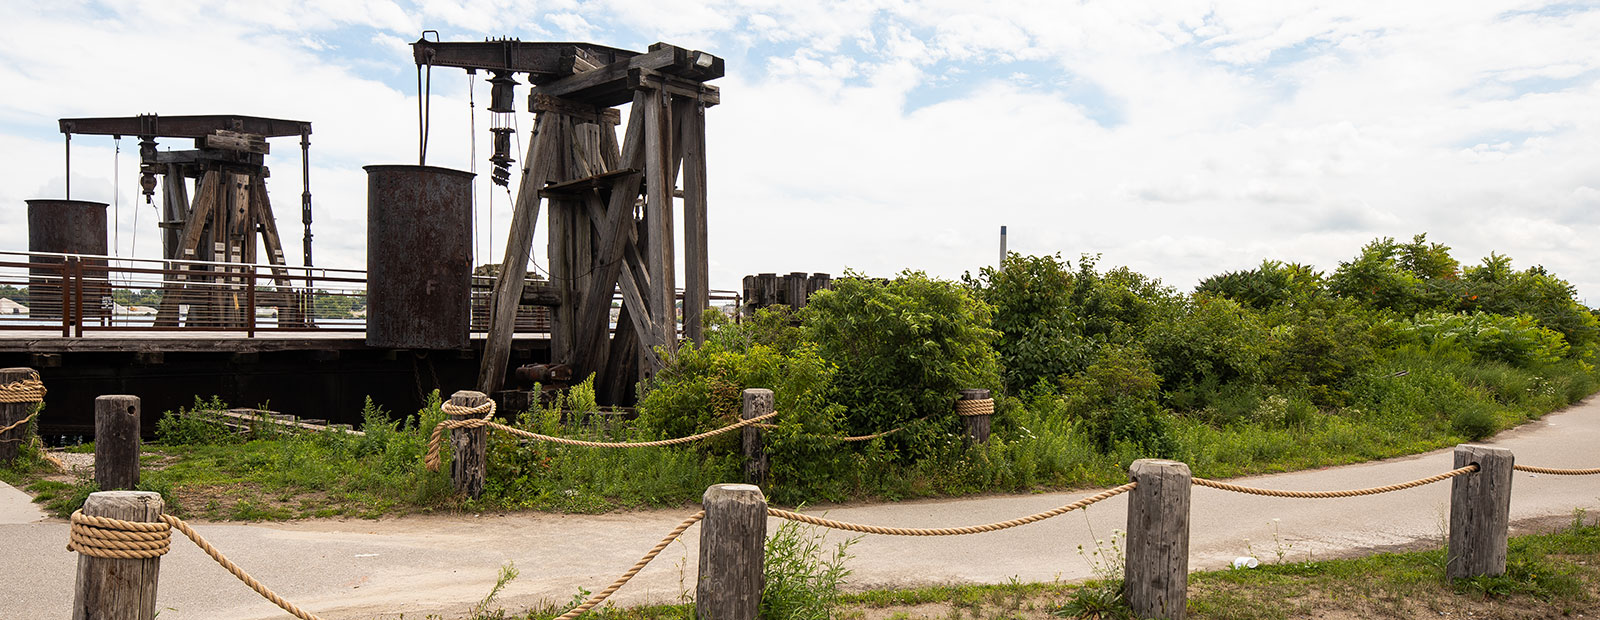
pixel 349 569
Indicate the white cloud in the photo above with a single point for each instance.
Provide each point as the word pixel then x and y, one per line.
pixel 1182 138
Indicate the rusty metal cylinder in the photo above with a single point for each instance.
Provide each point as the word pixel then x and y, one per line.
pixel 65 227
pixel 419 257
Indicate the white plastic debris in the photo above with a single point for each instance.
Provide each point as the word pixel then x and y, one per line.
pixel 1245 561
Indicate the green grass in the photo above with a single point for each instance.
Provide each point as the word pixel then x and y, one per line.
pixel 1555 574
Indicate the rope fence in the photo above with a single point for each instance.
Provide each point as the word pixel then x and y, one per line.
pixel 1203 482
pixel 102 537
pixel 29 389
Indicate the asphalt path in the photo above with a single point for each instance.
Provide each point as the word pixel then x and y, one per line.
pixel 414 566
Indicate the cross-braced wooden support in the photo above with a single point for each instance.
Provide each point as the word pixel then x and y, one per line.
pixel 611 215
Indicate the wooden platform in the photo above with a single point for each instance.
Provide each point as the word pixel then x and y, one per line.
pixel 51 341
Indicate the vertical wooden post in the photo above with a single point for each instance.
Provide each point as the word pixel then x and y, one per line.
pixel 757 402
pixel 1480 513
pixel 11 413
pixel 977 424
pixel 470 464
pixel 1156 577
pixel 732 538
pixel 696 278
pixel 116 442
pixel 113 589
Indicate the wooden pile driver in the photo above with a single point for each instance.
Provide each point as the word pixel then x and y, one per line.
pixel 229 209
pixel 602 236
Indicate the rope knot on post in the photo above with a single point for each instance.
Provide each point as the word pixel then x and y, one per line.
pixel 975 407
pixel 105 537
pixel 28 390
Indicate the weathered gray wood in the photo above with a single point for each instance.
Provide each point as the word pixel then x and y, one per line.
pixel 1156 577
pixel 696 276
pixel 470 445
pixel 541 158
pixel 658 216
pixel 116 442
pixel 1480 512
pixel 731 540
pixel 11 413
pixel 112 589
pixel 596 304
pixel 757 402
pixel 977 425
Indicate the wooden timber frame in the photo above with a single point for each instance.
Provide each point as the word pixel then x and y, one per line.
pixel 221 223
pixel 611 212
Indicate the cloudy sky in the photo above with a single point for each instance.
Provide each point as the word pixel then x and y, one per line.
pixel 1179 138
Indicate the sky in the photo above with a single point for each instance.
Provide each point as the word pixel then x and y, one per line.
pixel 1182 139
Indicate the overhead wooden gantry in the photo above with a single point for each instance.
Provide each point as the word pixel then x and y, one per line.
pixel 230 207
pixel 610 219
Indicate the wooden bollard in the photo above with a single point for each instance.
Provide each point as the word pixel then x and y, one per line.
pixel 116 442
pixel 732 538
pixel 756 402
pixel 11 413
pixel 1480 513
pixel 113 589
pixel 977 424
pixel 1156 574
pixel 470 464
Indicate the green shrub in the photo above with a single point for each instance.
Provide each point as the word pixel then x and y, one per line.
pixel 1041 336
pixel 800 582
pixel 1115 401
pixel 1474 421
pixel 903 348
pixel 1517 340
pixel 201 424
pixel 1214 341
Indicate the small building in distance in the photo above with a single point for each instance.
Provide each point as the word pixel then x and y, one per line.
pixel 11 307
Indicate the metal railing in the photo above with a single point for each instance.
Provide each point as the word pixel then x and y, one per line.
pixel 76 294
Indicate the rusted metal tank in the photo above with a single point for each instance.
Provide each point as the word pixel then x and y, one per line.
pixel 419 257
pixel 66 227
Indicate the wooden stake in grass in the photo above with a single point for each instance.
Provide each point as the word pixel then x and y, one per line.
pixel 1480 513
pixel 1156 577
pixel 757 402
pixel 732 537
pixel 118 589
pixel 116 442
pixel 470 464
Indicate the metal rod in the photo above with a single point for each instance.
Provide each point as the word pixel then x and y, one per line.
pixel 1002 265
pixel 305 192
pixel 69 166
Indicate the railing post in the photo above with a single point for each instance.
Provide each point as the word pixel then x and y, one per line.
pixel 66 297
pixel 1156 574
pixel 1480 512
pixel 77 296
pixel 732 539
pixel 118 589
pixel 250 301
pixel 756 402
pixel 11 413
pixel 470 464
pixel 977 420
pixel 116 442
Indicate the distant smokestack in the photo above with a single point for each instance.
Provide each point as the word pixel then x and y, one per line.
pixel 1002 265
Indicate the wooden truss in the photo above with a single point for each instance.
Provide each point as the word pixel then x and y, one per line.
pixel 610 219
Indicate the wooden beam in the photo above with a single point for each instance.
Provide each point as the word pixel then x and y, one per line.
pixel 619 217
pixel 696 277
pixel 608 85
pixel 658 216
pixel 508 287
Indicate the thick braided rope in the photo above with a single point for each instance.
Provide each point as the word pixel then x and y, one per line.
pixel 1557 472
pixel 845 439
pixel 951 531
pixel 637 566
pixel 104 537
pixel 264 591
pixel 29 390
pixel 975 407
pixel 7 429
pixel 432 460
pixel 1331 494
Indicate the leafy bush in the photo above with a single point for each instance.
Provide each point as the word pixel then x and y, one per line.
pixel 903 348
pixel 1214 342
pixel 1041 337
pixel 1115 401
pixel 1516 340
pixel 801 583
pixel 201 424
pixel 1272 284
